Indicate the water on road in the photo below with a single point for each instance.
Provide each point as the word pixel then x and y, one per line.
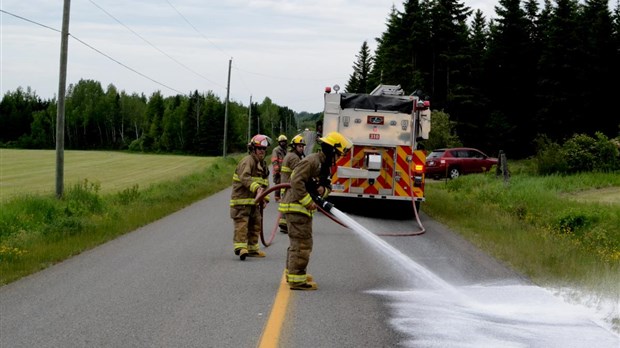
pixel 436 314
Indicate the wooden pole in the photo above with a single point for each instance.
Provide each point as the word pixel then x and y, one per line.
pixel 226 107
pixel 60 114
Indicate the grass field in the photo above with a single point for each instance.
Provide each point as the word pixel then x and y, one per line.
pixel 106 194
pixel 34 171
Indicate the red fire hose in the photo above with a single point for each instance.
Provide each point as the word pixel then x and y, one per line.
pixel 268 241
pixel 259 198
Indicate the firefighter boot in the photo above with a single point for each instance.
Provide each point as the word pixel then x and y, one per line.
pixel 242 252
pixel 257 253
pixel 303 286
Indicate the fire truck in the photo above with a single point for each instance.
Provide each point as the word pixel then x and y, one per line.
pixel 385 127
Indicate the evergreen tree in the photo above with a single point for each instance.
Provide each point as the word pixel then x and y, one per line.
pixel 451 55
pixel 211 131
pixel 559 73
pixel 16 113
pixel 510 79
pixel 386 55
pixel 616 42
pixel 475 120
pixel 358 81
pixel 599 69
pixel 403 53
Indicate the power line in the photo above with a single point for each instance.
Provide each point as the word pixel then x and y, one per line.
pixel 196 29
pixel 28 20
pixel 155 47
pixel 132 69
pixel 234 64
pixel 96 50
pixel 206 38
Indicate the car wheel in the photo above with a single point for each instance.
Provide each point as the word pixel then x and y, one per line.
pixel 454 173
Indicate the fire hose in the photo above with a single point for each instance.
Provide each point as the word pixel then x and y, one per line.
pixel 324 207
pixel 417 217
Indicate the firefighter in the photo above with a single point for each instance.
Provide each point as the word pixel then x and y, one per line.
pixel 250 179
pixel 292 158
pixel 277 156
pixel 309 182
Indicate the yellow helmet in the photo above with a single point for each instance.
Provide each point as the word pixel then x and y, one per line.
pixel 282 137
pixel 298 140
pixel 339 142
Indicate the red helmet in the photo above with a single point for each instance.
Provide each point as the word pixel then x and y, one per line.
pixel 259 140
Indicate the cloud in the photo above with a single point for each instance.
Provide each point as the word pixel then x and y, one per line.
pixel 286 50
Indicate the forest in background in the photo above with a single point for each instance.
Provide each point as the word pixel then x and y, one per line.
pixel 531 71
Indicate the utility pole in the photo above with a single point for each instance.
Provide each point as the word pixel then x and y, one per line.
pixel 273 130
pixel 197 107
pixel 60 113
pixel 250 119
pixel 226 107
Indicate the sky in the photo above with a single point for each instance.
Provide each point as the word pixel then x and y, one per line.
pixel 287 50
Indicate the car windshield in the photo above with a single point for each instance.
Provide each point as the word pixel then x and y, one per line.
pixel 435 154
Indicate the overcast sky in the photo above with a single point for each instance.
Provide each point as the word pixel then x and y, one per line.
pixel 287 50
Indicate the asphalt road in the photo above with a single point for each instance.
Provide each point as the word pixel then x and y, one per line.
pixel 177 283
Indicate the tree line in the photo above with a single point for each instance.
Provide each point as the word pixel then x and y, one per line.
pixel 110 119
pixel 503 83
pixel 530 71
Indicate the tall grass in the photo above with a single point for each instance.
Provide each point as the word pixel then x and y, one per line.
pixel 37 231
pixel 538 225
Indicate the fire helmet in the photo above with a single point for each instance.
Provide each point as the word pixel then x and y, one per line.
pixel 298 140
pixel 282 137
pixel 259 140
pixel 338 142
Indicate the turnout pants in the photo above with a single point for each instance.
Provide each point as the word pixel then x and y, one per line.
pixel 300 246
pixel 247 224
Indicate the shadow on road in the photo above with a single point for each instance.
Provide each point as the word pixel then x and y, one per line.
pixel 375 208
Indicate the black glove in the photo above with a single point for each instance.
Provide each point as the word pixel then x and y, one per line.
pixel 312 187
pixel 326 182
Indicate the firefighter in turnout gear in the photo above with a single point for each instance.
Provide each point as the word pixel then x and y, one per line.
pixel 251 177
pixel 292 158
pixel 277 156
pixel 309 182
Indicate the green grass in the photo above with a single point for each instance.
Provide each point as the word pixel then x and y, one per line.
pixel 34 171
pixel 38 230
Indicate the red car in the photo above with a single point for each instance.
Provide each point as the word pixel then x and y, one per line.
pixel 453 162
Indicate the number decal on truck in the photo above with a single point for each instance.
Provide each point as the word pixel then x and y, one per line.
pixel 374 136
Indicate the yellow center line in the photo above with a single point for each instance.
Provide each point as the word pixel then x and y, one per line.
pixel 273 327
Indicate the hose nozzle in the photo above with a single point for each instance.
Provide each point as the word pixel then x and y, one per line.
pixel 325 205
